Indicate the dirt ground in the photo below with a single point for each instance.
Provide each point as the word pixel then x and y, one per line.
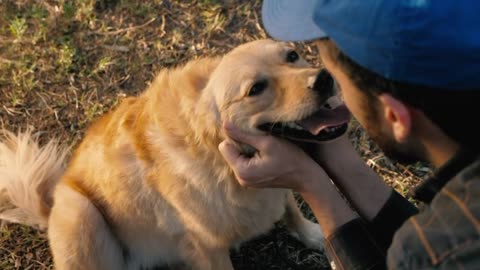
pixel 63 63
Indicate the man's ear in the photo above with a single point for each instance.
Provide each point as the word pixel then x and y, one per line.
pixel 397 115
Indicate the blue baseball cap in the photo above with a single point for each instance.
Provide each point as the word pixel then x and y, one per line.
pixel 435 43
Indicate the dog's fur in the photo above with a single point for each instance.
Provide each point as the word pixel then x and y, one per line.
pixel 147 186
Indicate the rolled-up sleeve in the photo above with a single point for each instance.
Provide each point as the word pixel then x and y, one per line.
pixel 363 245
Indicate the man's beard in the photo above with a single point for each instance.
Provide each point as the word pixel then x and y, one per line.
pixel 406 153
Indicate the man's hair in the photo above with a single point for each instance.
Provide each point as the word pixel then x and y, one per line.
pixel 453 111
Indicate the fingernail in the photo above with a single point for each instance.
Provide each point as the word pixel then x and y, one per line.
pixel 228 126
pixel 221 145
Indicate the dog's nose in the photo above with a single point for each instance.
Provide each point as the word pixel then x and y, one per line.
pixel 322 83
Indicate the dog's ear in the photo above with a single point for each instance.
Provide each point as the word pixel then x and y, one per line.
pixel 198 72
pixel 196 75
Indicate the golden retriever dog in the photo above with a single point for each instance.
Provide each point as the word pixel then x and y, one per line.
pixel 147 186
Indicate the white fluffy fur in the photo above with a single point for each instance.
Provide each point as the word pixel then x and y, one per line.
pixel 28 174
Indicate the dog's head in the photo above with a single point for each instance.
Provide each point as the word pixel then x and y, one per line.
pixel 266 87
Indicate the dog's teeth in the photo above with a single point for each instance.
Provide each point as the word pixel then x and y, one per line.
pixel 296 126
pixel 292 125
pixel 332 129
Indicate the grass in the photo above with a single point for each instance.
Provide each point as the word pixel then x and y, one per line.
pixel 63 63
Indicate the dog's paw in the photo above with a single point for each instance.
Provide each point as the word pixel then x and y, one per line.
pixel 311 235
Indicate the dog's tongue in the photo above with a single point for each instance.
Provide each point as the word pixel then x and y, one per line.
pixel 325 118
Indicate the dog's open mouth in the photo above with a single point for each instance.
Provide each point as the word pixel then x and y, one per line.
pixel 323 125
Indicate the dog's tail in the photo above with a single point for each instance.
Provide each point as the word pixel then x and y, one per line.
pixel 28 175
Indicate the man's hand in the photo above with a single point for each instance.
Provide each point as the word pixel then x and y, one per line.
pixel 277 163
pixel 281 164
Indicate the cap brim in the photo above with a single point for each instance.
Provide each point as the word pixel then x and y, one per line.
pixel 291 20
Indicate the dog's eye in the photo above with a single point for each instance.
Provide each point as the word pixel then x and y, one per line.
pixel 292 57
pixel 258 88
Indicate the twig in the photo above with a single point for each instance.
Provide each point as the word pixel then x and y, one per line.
pixel 8 61
pixel 162 27
pixel 10 111
pixel 405 170
pixel 119 31
pixel 116 48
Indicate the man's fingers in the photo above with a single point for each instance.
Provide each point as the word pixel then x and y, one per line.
pixel 240 136
pixel 234 158
pixel 230 152
pixel 233 155
pixel 243 183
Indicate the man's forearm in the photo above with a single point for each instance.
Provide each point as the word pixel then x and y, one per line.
pixel 328 206
pixel 381 207
pixel 349 243
pixel 364 188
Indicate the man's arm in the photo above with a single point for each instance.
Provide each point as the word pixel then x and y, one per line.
pixel 349 244
pixel 278 163
pixel 361 185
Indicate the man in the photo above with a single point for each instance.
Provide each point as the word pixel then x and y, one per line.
pixel 409 72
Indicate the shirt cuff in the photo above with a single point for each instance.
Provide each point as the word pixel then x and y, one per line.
pixel 352 247
pixel 393 214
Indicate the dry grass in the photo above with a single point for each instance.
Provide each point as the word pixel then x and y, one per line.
pixel 63 63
